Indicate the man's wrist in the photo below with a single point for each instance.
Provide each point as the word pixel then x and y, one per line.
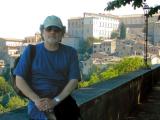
pixel 35 98
pixel 56 100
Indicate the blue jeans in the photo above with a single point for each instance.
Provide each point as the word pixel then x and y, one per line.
pixel 34 113
pixel 66 110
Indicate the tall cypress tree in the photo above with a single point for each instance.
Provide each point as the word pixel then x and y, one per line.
pixel 122 29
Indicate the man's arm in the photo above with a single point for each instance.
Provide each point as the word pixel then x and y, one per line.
pixel 27 91
pixel 71 85
pixel 68 89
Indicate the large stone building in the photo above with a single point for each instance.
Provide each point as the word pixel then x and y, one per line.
pixel 107 46
pixel 71 41
pixel 137 20
pixel 10 49
pixel 11 46
pixel 33 39
pixel 129 48
pixel 3 47
pixel 136 24
pixel 93 25
pixel 156 33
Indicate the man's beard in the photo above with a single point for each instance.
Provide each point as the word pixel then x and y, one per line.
pixel 52 40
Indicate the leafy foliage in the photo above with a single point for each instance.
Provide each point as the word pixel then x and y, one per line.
pixel 114 34
pixel 126 65
pixel 94 79
pixel 2 109
pixel 129 64
pixel 108 74
pixel 16 102
pixel 5 99
pixel 135 3
pixel 4 87
pixel 8 100
pixel 84 45
pixel 154 10
pixel 6 72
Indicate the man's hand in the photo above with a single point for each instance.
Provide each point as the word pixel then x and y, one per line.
pixel 41 104
pixel 45 104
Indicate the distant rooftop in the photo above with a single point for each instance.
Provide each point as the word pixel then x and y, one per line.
pixel 12 39
pixel 86 15
pixel 137 15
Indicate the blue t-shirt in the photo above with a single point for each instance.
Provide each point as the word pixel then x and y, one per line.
pixel 51 70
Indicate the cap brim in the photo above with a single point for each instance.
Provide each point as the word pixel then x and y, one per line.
pixel 58 27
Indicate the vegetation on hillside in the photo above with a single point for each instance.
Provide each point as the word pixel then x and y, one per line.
pixel 126 65
pixel 8 99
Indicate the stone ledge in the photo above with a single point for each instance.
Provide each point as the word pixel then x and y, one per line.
pixel 104 97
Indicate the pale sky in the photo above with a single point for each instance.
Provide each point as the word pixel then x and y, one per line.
pixel 21 18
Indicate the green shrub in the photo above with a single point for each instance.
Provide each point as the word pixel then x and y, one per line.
pixel 126 65
pixel 4 87
pixel 83 84
pixel 2 109
pixel 16 102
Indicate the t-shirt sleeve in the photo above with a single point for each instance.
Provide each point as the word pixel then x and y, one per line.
pixel 23 64
pixel 74 70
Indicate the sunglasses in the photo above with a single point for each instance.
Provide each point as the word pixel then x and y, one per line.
pixel 53 28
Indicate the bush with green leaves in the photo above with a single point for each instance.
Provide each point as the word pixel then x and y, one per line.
pixel 2 109
pixel 5 99
pixel 16 102
pixel 126 65
pixel 4 86
pixel 8 100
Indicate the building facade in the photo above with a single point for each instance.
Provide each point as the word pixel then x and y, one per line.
pixel 13 46
pixel 71 41
pixel 33 39
pixel 107 46
pixel 93 25
pixel 136 25
pixel 156 34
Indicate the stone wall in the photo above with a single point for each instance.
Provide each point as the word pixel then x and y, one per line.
pixel 115 99
pixel 109 100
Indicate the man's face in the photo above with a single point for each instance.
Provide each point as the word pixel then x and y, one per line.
pixel 52 35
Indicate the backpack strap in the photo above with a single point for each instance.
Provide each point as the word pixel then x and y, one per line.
pixel 32 52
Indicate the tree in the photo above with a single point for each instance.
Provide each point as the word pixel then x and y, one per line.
pixel 2 109
pixel 4 87
pixel 114 34
pixel 122 31
pixel 135 3
pixel 84 45
pixel 6 72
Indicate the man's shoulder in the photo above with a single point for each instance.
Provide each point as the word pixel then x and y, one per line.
pixel 66 47
pixel 39 44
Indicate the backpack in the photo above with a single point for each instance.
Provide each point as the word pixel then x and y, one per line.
pixel 13 77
